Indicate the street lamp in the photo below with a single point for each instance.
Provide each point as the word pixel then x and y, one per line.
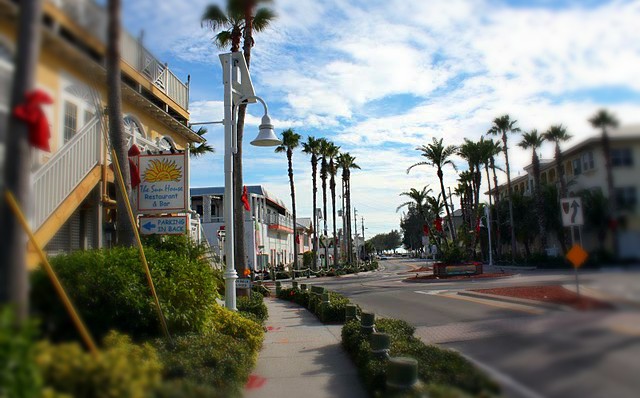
pixel 238 89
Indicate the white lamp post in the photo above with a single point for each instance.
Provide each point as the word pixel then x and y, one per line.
pixel 238 89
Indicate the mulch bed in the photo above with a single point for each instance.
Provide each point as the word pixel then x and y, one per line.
pixel 555 294
pixel 433 278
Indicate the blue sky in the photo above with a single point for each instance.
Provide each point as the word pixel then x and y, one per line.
pixel 382 77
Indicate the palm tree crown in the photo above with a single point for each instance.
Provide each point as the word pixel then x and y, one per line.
pixel 418 199
pixel 201 149
pixel 532 139
pixel 230 25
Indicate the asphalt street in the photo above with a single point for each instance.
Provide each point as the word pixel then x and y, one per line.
pixel 532 352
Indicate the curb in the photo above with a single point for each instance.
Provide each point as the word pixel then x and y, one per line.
pixel 515 300
pixel 616 301
pixel 410 280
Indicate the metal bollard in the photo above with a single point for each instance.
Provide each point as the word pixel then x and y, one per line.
pixel 351 312
pixel 402 374
pixel 367 322
pixel 380 344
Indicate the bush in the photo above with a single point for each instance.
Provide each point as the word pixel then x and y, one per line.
pixel 253 305
pixel 19 376
pixel 233 324
pixel 216 360
pixel 185 389
pixel 307 259
pixel 110 291
pixel 445 369
pixel 123 369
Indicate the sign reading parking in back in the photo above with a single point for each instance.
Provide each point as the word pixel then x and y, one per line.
pixel 571 210
pixel 163 186
pixel 243 283
pixel 175 225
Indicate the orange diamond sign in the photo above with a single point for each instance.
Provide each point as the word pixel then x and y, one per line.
pixel 577 255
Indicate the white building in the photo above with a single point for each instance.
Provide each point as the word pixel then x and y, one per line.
pixel 268 226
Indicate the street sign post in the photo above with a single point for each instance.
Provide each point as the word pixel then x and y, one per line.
pixel 170 225
pixel 577 256
pixel 571 210
pixel 164 183
pixel 243 283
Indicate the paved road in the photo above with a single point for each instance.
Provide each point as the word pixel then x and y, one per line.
pixel 533 352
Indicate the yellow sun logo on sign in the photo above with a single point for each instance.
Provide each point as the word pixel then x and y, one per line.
pixel 163 170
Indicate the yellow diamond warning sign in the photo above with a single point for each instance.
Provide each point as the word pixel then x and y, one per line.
pixel 577 255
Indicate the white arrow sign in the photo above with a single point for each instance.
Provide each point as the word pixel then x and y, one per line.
pixel 571 210
pixel 175 225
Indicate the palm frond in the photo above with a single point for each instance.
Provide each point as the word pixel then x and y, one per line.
pixel 264 16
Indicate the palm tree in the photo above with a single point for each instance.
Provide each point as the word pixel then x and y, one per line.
pixel 605 120
pixel 116 127
pixel 347 162
pixel 327 150
pixel 202 149
pixel 312 148
pixel 494 149
pixel 558 133
pixel 438 156
pixel 418 199
pixel 502 126
pixel 238 22
pixel 290 141
pixel 534 141
pixel 331 153
pixel 472 152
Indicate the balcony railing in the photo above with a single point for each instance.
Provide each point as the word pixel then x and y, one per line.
pixel 93 18
pixel 280 222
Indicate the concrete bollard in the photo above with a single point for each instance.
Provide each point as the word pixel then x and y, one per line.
pixel 303 287
pixel 367 322
pixel 278 287
pixel 324 304
pixel 294 285
pixel 351 312
pixel 402 374
pixel 380 344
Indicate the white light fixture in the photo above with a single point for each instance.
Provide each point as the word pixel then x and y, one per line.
pixel 266 135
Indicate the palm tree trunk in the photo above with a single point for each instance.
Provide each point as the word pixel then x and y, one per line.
pixel 539 201
pixel 14 278
pixel 497 215
pixel 446 204
pixel 348 203
pixel 332 185
pixel 606 147
pixel 316 246
pixel 511 224
pixel 293 208
pixel 324 214
pixel 486 169
pixel 116 127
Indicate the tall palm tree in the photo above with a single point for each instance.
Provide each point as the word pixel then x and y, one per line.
pixel 327 149
pixel 347 162
pixel 502 126
pixel 438 156
pixel 312 148
pixel 605 120
pixel 116 127
pixel 331 152
pixel 471 151
pixel 290 141
pixel 558 133
pixel 202 149
pixel 534 140
pixel 240 21
pixel 494 148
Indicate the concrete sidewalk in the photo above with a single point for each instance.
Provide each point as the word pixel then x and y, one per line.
pixel 301 356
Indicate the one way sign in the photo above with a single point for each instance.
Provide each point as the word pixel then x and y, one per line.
pixel 571 210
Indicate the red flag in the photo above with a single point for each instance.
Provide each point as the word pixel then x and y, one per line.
pixel 297 239
pixel 30 111
pixel 134 172
pixel 245 199
pixel 425 230
pixel 478 226
pixel 438 224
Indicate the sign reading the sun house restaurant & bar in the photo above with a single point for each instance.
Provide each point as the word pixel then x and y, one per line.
pixel 163 186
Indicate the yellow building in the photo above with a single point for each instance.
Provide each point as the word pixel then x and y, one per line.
pixel 584 169
pixel 73 190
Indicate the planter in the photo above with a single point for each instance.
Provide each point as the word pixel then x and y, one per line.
pixel 444 270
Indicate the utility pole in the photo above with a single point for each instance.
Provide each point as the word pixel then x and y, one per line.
pixel 364 247
pixel 355 234
pixel 13 240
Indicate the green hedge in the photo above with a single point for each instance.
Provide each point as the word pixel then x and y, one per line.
pixel 109 288
pixel 334 312
pixel 443 371
pixel 253 305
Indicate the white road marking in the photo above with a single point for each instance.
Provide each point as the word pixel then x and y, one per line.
pixel 432 292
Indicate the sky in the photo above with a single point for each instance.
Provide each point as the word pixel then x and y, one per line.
pixel 380 78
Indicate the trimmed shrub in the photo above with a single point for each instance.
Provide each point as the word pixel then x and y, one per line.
pixel 19 375
pixel 233 324
pixel 185 389
pixel 253 305
pixel 123 369
pixel 110 291
pixel 216 360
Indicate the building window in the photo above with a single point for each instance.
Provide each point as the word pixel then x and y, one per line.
pixel 587 161
pixel 199 210
pixel 70 120
pixel 621 157
pixel 577 169
pixel 626 197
